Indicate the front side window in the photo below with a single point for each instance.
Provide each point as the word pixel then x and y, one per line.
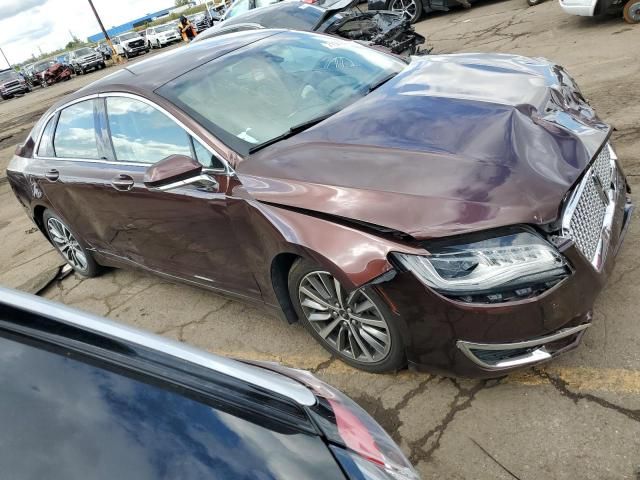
pixel 141 133
pixel 262 91
pixel 237 8
pixel 75 135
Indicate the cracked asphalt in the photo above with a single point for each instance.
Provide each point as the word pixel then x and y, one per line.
pixel 578 417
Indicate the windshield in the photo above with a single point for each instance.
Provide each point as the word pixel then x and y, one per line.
pixel 43 65
pixel 83 51
pixel 165 28
pixel 264 90
pixel 128 36
pixel 8 75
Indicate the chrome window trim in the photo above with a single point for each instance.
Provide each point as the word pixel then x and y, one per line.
pixel 259 377
pixel 226 170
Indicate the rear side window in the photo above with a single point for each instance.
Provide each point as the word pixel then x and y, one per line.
pixel 63 419
pixel 141 133
pixel 45 149
pixel 75 135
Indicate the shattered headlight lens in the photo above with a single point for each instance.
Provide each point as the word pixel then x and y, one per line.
pixel 516 265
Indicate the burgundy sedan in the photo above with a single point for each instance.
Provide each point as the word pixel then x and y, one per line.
pixel 459 213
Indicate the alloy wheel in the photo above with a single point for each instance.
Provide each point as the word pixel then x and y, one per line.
pixel 632 12
pixel 67 244
pixel 407 7
pixel 351 324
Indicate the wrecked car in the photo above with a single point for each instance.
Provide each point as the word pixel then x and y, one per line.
pixel 457 213
pixel 388 30
pixel 57 72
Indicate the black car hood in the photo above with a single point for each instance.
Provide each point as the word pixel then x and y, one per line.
pixel 453 143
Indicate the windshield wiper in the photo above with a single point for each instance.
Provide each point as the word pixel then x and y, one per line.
pixel 381 82
pixel 292 131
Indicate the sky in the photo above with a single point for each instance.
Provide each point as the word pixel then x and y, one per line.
pixel 27 25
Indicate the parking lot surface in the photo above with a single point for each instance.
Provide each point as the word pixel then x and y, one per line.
pixel 578 417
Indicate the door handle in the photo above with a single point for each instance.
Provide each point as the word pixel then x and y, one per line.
pixel 122 182
pixel 52 174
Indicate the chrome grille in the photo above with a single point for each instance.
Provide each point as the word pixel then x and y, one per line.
pixel 586 213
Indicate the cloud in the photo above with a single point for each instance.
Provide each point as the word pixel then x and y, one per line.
pixel 15 7
pixel 31 33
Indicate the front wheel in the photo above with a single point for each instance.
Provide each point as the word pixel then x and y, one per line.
pixel 533 3
pixel 67 243
pixel 631 11
pixel 411 9
pixel 357 327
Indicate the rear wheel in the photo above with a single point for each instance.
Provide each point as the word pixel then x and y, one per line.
pixel 158 44
pixel 66 242
pixel 631 11
pixel 411 9
pixel 357 327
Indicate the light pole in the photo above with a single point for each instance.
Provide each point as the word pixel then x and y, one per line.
pixel 5 57
pixel 116 57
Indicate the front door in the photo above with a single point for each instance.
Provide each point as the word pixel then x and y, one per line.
pixel 185 232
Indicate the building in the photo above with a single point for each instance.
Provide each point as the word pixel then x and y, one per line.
pixel 125 27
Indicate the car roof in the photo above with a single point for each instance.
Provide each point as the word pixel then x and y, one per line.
pixel 259 377
pixel 147 75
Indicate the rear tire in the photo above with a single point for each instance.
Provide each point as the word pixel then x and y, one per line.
pixel 347 337
pixel 66 242
pixel 411 8
pixel 631 11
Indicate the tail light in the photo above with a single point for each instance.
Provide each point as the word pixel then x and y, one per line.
pixel 361 446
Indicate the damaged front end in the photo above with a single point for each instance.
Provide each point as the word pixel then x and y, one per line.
pixel 386 29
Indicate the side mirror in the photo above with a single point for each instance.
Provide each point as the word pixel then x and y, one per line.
pixel 176 171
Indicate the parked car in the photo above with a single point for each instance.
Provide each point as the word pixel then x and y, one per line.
pixel 130 44
pixel 12 83
pixel 63 59
pixel 162 35
pixel 630 9
pixel 77 387
pixel 242 6
pixel 457 212
pixel 389 30
pixel 200 20
pixel 39 70
pixel 414 9
pixel 104 50
pixel 85 59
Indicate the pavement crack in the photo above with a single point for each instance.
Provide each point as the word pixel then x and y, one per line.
pixel 462 401
pixel 486 452
pixel 562 386
pixel 322 365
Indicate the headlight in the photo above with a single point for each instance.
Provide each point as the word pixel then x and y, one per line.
pixel 516 265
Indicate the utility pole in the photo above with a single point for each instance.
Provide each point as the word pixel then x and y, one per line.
pixel 5 57
pixel 116 57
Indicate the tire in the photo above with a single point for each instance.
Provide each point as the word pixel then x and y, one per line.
pixel 158 44
pixel 403 6
pixel 102 66
pixel 631 11
pixel 126 55
pixel 75 251
pixel 533 3
pixel 348 336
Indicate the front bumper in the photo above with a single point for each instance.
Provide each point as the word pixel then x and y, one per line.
pixel 450 337
pixel 10 91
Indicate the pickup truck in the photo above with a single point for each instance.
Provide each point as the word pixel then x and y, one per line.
pixel 85 59
pixel 130 44
pixel 11 83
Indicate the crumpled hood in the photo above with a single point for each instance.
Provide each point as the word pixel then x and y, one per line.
pixel 454 143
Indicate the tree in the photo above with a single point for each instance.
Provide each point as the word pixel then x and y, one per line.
pixel 182 3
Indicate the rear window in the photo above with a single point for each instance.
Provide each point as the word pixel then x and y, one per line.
pixel 63 419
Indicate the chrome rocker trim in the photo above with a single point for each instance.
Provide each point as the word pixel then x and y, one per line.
pixel 530 358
